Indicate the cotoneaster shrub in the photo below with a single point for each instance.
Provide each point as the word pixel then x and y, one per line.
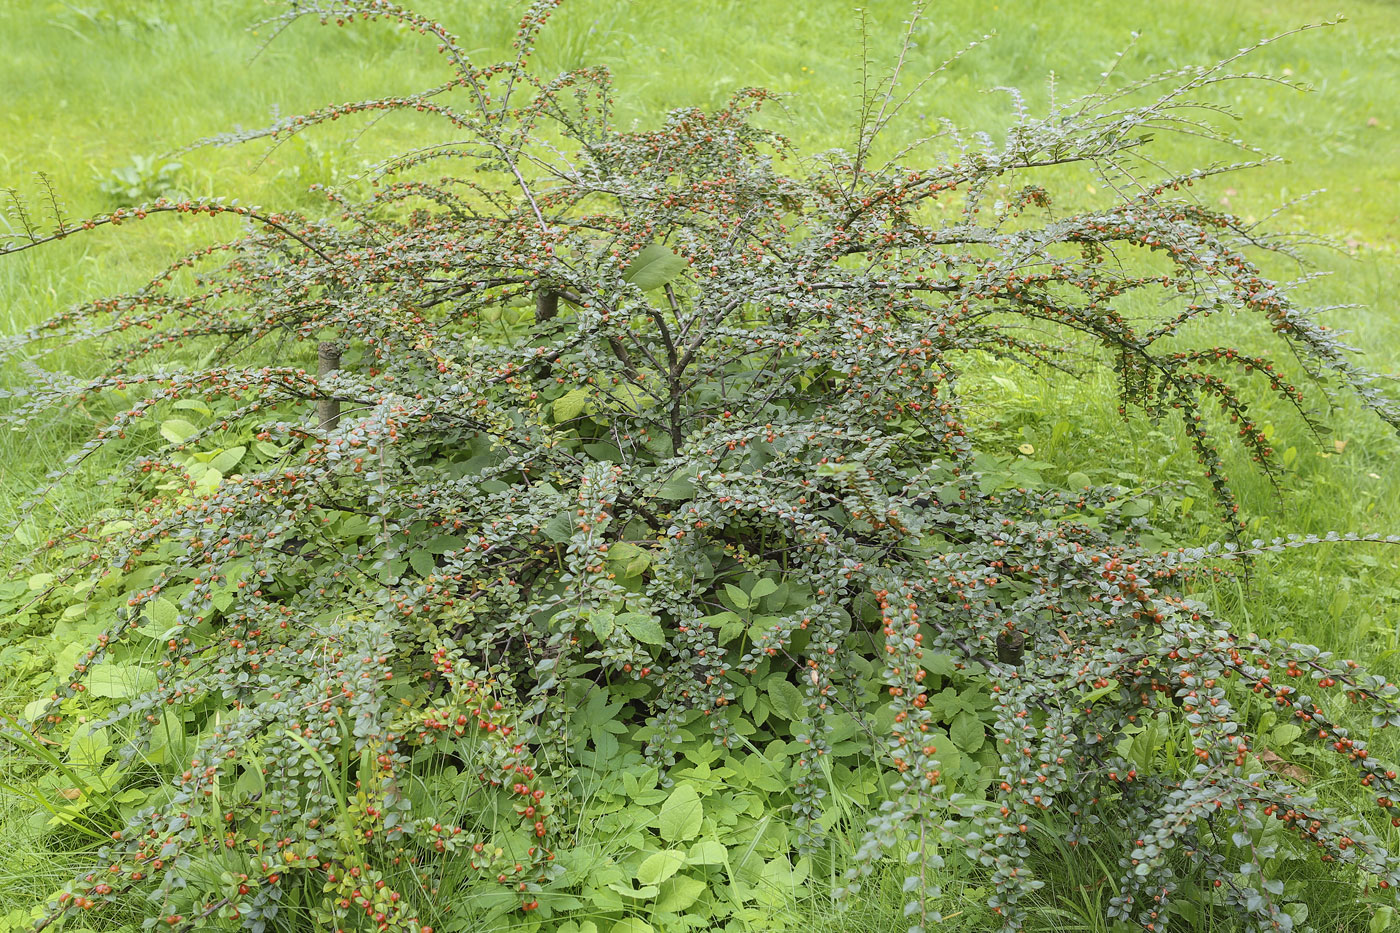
pixel 566 411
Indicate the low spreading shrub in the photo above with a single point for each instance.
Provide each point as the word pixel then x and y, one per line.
pixel 618 446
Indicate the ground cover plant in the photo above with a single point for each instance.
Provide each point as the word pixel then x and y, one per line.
pixel 637 428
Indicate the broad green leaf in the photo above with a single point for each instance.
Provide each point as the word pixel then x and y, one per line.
pixel 679 893
pixel 681 814
pixel 762 588
pixel 967 732
pixel 632 559
pixel 660 866
pixel 227 459
pixel 654 267
pixel 676 488
pixel 1286 734
pixel 643 627
pixel 786 698
pixel 1077 481
pixel 422 563
pixel 601 622
pixel 737 596
pixel 175 430
pixel 637 566
pixel 570 405
pixel 632 925
pixel 936 662
pixel 120 681
pixel 560 528
pixel 707 852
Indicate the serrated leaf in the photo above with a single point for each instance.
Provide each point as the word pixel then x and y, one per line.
pixel 601 622
pixel 659 866
pixel 570 405
pixel 786 698
pixel 967 732
pixel 643 627
pixel 653 267
pixel 681 814
pixel 422 563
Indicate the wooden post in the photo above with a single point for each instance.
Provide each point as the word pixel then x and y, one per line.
pixel 327 362
pixel 1011 647
pixel 546 305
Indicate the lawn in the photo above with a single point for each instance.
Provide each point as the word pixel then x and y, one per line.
pixel 99 96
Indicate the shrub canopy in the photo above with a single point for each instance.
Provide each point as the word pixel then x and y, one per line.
pixel 651 411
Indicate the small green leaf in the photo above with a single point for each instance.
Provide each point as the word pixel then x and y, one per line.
pixel 654 267
pixel 681 814
pixel 660 866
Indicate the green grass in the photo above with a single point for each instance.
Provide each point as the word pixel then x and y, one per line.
pixel 88 85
